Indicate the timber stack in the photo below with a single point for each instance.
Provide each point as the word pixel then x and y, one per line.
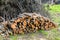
pixel 26 24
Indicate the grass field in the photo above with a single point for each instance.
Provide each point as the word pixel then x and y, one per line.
pixel 55 14
pixel 53 34
pixel 55 8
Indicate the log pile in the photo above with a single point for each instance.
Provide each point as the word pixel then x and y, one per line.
pixel 26 24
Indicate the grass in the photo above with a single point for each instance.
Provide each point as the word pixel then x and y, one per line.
pixel 55 14
pixel 43 32
pixel 1 38
pixel 13 37
pixel 53 35
pixel 55 8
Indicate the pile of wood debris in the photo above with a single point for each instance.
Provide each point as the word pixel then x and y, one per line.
pixel 26 24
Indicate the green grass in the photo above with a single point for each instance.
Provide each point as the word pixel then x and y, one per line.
pixel 54 12
pixel 43 32
pixel 13 37
pixel 53 34
pixel 53 8
pixel 1 38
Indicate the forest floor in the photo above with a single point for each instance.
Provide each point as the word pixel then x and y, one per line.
pixel 53 34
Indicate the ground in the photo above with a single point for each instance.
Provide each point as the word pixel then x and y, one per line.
pixel 53 34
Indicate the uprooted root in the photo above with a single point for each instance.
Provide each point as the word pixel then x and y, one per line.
pixel 26 24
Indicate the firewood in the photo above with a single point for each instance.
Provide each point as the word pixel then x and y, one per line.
pixel 46 26
pixel 27 24
pixel 24 24
pixel 13 26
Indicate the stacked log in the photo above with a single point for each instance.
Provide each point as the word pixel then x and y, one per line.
pixel 27 24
